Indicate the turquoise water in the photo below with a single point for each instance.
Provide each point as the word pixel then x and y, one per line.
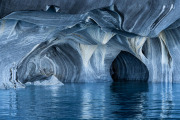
pixel 92 100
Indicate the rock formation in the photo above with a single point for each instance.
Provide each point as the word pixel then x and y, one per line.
pixel 89 41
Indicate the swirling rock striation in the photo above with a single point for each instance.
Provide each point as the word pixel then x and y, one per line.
pixel 82 41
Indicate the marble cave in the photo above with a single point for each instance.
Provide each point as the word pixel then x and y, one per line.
pixel 82 41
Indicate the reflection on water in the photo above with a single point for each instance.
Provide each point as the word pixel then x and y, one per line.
pixel 129 99
pixel 93 100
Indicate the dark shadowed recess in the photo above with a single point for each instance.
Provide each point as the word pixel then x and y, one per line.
pixel 127 67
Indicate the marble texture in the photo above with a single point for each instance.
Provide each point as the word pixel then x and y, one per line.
pixel 89 41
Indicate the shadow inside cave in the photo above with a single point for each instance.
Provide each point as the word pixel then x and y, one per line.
pixel 127 67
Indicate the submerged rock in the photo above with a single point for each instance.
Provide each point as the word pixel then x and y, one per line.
pixel 46 82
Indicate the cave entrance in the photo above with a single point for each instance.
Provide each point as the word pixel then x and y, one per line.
pixel 126 67
pixel 59 60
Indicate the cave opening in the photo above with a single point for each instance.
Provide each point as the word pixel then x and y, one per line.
pixel 46 61
pixel 126 67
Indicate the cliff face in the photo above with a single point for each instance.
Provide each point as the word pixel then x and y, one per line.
pixel 89 41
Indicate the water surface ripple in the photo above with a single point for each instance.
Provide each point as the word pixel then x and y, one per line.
pixel 92 101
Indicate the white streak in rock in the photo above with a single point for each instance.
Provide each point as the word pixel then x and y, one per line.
pixel 86 52
pixel 57 9
pixel 47 7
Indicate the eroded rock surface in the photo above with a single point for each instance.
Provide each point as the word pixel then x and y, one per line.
pixel 77 41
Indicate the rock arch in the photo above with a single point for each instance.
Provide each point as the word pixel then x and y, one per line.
pixel 127 67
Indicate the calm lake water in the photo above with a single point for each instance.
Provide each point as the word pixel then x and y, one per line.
pixel 92 100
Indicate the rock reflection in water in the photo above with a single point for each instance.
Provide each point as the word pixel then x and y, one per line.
pixel 92 100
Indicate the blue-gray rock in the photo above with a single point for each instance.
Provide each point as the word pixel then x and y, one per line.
pixel 83 40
